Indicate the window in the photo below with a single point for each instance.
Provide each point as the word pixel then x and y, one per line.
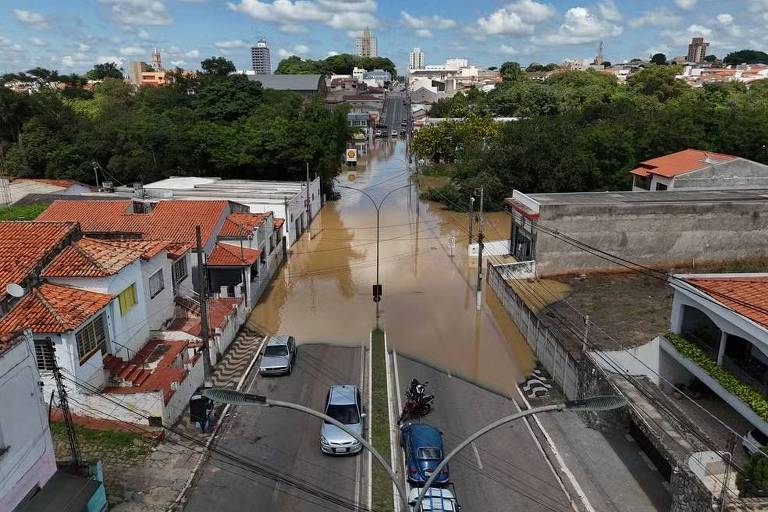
pixel 127 299
pixel 91 338
pixel 179 270
pixel 156 284
pixel 44 356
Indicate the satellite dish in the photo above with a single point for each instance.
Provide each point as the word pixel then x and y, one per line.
pixel 14 290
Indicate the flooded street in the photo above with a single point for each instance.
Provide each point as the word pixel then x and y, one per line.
pixel 428 309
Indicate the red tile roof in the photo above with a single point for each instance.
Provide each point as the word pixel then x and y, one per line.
pixel 171 220
pixel 25 245
pixel 241 225
pixel 279 222
pixel 681 162
pixel 89 257
pixel 148 248
pixel 225 255
pixel 54 309
pixel 735 292
pixel 219 312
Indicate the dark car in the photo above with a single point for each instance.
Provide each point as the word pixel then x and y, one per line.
pixel 423 446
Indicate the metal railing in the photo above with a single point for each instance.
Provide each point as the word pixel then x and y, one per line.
pixel 518 270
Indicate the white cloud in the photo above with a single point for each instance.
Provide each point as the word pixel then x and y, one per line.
pixel 423 32
pixel 130 51
pixel 300 50
pixel 78 60
pixel 177 63
pixel 332 53
pixel 508 50
pixel 233 43
pixel 37 41
pixel 139 12
pixel 143 34
pixel 34 19
pixel 192 54
pixel 659 17
pixel 292 28
pixel 103 59
pixel 725 19
pixel 517 18
pixel 427 22
pixel 699 30
pixel 582 26
pixel 83 47
pixel 338 14
pixel 686 4
pixel 532 11
pixel 609 11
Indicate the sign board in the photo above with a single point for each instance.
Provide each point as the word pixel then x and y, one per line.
pixel 351 156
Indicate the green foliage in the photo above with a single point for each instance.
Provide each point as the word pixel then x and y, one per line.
pixel 512 72
pixel 658 81
pixel 217 66
pixel 746 393
pixel 379 419
pixel 104 71
pixel 746 57
pixel 341 64
pixel 22 212
pixel 752 482
pixel 534 67
pixel 659 59
pixel 710 58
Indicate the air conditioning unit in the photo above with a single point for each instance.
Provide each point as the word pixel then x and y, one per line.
pixel 107 186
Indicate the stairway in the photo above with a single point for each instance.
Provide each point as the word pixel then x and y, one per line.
pixel 126 373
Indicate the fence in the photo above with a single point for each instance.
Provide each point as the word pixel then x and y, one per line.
pixel 563 368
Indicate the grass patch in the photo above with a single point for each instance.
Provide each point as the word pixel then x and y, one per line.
pixel 382 485
pixel 111 443
pixel 427 183
pixel 22 212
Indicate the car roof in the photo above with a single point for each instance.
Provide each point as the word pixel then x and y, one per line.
pixel 343 394
pixel 278 340
pixel 424 435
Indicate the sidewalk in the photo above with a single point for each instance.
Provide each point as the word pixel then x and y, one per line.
pixel 152 482
pixel 614 473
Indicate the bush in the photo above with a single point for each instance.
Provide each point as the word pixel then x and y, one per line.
pixel 746 393
pixel 753 481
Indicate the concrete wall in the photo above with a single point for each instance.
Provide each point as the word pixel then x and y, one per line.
pixel 655 234
pixel 29 461
pixel 180 399
pixel 733 174
pixel 159 309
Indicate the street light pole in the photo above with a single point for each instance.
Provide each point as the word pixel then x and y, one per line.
pixel 598 403
pixel 377 291
pixel 233 397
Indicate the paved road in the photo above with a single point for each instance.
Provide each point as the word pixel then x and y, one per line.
pixel 393 111
pixel 503 470
pixel 288 442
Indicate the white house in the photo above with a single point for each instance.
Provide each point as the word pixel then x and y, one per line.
pixel 723 317
pixel 27 458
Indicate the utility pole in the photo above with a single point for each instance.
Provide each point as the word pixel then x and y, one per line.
pixel 728 458
pixel 471 214
pixel 203 301
pixel 585 341
pixel 74 446
pixel 480 237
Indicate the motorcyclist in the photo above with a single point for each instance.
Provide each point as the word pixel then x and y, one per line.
pixel 416 389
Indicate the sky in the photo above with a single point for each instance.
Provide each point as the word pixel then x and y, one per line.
pixel 73 35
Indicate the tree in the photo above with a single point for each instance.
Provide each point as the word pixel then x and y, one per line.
pixel 228 99
pixel 658 81
pixel 217 66
pixel 753 481
pixel 606 63
pixel 104 71
pixel 512 72
pixel 746 57
pixel 710 58
pixel 659 59
pixel 44 75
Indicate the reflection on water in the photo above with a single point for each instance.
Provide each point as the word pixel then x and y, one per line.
pixel 428 311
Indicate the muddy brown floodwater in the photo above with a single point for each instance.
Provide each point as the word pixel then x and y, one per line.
pixel 428 310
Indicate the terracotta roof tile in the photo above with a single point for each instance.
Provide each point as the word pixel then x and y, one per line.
pixel 148 248
pixel 678 163
pixel 241 225
pixel 25 245
pixel 225 255
pixel 89 257
pixel 171 220
pixel 745 290
pixel 279 222
pixel 54 309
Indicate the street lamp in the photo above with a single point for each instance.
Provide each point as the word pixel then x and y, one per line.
pixel 230 396
pixel 597 403
pixel 377 291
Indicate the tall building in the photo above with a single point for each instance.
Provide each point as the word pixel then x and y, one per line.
pixel 157 63
pixel 599 58
pixel 365 46
pixel 416 60
pixel 260 59
pixel 697 50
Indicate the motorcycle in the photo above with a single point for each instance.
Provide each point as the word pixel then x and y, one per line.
pixel 417 402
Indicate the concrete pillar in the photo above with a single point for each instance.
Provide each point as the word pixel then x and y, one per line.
pixel 721 351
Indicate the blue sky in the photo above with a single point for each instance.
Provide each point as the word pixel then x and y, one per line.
pixel 72 35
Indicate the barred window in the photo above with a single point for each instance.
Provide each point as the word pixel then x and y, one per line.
pixel 44 356
pixel 156 284
pixel 91 338
pixel 179 270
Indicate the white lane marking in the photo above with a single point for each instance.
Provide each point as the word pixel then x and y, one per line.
pixel 560 462
pixel 370 404
pixel 477 457
pixel 392 440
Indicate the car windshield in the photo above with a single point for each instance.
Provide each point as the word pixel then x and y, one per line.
pixel 276 350
pixel 346 414
pixel 430 454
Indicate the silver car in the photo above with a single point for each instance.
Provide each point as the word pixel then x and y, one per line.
pixel 279 356
pixel 344 405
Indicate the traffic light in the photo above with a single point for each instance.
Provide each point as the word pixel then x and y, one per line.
pixel 377 293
